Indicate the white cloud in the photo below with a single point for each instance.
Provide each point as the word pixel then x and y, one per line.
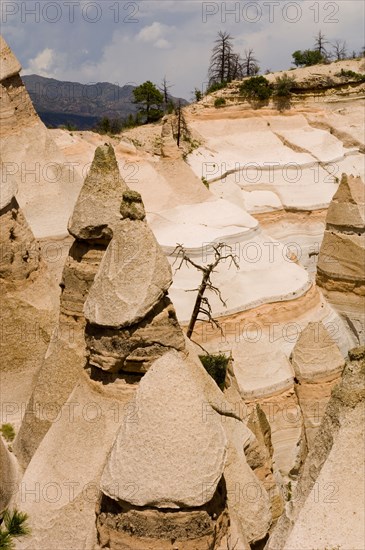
pixel 42 64
pixel 155 34
pixel 162 43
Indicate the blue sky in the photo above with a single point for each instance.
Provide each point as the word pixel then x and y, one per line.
pixel 133 41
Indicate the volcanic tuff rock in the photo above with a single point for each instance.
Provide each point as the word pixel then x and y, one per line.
pixel 316 355
pixel 19 251
pixel 133 255
pixel 331 485
pixel 8 478
pixel 259 454
pixel 66 354
pixel 9 65
pixel 46 181
pixel 318 364
pixel 169 148
pixel 130 325
pixel 167 452
pixel 97 208
pixel 341 263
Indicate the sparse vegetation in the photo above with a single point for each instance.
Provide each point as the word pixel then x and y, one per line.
pixel 13 526
pixel 283 85
pixel 283 91
pixel 351 75
pixel 307 58
pixel 8 432
pixel 150 100
pixel 256 88
pixel 227 65
pixel 219 102
pixel 216 367
pixel 216 86
pixel 198 95
pixel 69 127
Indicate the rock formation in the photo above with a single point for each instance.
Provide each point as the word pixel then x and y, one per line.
pixel 330 488
pixel 46 181
pixel 92 224
pixel 341 264
pixel 318 363
pixel 9 476
pixel 131 321
pixel 169 148
pixel 177 469
pixel 19 252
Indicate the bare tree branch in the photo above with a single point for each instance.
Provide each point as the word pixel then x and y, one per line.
pixel 202 304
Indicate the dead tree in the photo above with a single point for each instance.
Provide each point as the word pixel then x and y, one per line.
pixel 319 44
pixel 202 305
pixel 339 50
pixel 220 59
pixel 164 88
pixel 182 127
pixel 250 63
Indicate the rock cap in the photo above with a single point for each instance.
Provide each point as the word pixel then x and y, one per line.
pixel 316 354
pixel 9 65
pixel 97 209
pixel 347 208
pixel 172 453
pixel 133 277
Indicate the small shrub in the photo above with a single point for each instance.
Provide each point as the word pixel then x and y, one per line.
pixel 216 86
pixel 283 85
pixel 307 58
pixel 216 366
pixel 8 432
pixel 256 88
pixel 198 94
pixel 219 102
pixel 351 75
pixel 13 526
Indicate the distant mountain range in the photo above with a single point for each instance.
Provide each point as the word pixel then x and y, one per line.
pixel 81 105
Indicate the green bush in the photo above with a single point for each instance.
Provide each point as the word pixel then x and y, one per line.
pixel 13 526
pixel 216 86
pixel 351 74
pixel 307 58
pixel 219 102
pixel 8 432
pixel 216 366
pixel 283 85
pixel 256 88
pixel 198 94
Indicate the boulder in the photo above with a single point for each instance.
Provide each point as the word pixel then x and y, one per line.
pixel 165 451
pixel 133 277
pixel 316 355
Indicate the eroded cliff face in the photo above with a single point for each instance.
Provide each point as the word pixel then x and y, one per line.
pixel 46 181
pixel 341 264
pixel 131 321
pixel 169 408
pixel 318 364
pixel 123 419
pixel 331 484
pixel 92 224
